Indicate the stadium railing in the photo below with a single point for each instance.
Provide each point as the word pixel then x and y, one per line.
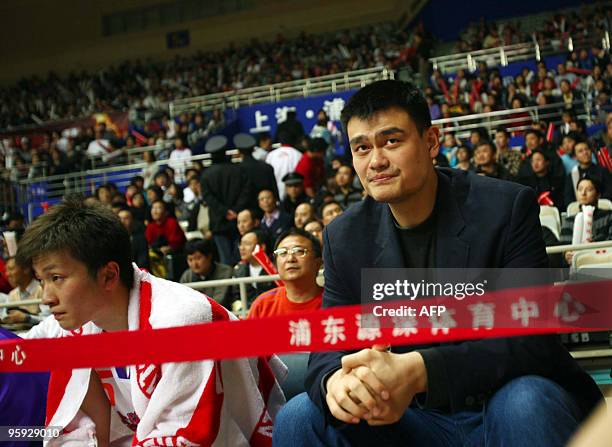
pixel 514 120
pixel 506 54
pixel 284 90
pixel 242 282
pixel 34 192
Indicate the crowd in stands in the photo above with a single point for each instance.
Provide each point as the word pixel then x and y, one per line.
pixel 552 162
pixel 102 145
pixel 183 228
pixel 190 229
pixel 145 84
pixel 557 29
pixel 294 179
pixel 585 75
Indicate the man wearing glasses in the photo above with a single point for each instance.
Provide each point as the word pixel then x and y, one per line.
pixel 298 259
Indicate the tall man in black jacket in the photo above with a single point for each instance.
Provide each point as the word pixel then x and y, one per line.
pixel 515 391
pixel 260 173
pixel 226 190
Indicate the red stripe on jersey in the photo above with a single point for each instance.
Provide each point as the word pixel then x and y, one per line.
pixel 204 425
pixel 261 436
pixel 58 381
pixel 145 305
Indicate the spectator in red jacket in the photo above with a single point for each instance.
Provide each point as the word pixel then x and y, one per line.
pixel 163 232
pixel 311 166
pixel 298 260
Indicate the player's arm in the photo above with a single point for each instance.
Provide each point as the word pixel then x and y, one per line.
pixel 97 407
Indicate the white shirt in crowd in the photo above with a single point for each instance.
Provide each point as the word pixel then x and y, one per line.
pixel 98 148
pixel 179 161
pixel 284 160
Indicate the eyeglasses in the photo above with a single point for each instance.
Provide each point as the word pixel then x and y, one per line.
pixel 282 253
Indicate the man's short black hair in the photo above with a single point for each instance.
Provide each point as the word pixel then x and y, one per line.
pixel 463 147
pixel 383 95
pixel 100 188
pixel 573 135
pixel 346 164
pixel 136 179
pixel 316 245
pixel 91 234
pixel 317 145
pixel 542 153
pixel 124 207
pixel 255 214
pixel 502 129
pixel 262 237
pixel 284 137
pixel 324 205
pixel 584 141
pixel 274 194
pixel 15 215
pixel 204 246
pixel 482 132
pixel 487 143
pixel 158 191
pixel 161 201
pixel 161 173
pixel 594 181
pixel 536 132
pixel 263 136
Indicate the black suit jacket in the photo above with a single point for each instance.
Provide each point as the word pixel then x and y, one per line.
pixel 261 175
pixel 284 222
pixel 225 186
pixel 481 222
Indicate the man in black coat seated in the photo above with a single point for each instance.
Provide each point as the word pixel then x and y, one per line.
pixel 525 391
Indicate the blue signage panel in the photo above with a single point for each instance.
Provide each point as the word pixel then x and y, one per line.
pixel 265 117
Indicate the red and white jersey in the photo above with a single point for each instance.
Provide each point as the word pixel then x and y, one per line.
pixel 204 403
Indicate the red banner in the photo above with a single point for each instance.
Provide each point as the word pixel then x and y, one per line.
pixel 537 310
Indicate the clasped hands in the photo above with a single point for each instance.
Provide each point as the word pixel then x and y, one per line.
pixel 375 385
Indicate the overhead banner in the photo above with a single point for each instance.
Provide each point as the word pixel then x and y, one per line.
pixel 266 117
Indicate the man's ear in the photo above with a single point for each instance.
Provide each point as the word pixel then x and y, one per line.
pixel 432 138
pixel 110 275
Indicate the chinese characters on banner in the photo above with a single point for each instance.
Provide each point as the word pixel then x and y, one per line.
pixel 266 117
pixel 16 355
pixel 536 310
pixel 519 312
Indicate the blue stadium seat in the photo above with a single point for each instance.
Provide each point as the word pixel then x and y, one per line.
pixel 297 365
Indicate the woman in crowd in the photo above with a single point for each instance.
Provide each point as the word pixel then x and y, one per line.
pixel 588 193
pixel 164 236
pixel 464 156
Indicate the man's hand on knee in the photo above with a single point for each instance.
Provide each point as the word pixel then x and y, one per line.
pixel 351 397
